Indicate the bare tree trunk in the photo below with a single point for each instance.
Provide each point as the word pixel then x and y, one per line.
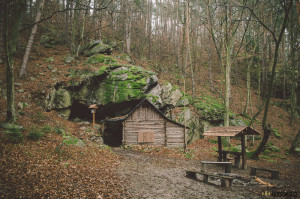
pixel 2 32
pixel 149 26
pixel 295 142
pixel 266 127
pixel 12 19
pixel 22 71
pixel 178 34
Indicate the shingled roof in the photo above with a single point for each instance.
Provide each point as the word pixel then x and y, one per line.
pixel 124 117
pixel 231 131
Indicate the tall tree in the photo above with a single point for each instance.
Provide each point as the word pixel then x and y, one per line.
pixel 22 71
pixel 285 8
pixel 13 11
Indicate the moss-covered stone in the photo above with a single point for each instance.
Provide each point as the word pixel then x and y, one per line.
pixel 96 48
pixel 65 113
pixel 62 98
pixel 100 58
pixel 123 84
pixel 209 108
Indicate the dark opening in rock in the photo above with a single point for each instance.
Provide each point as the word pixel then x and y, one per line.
pixel 81 112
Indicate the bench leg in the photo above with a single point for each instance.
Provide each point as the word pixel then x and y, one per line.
pixel 237 162
pixel 205 178
pixel 226 183
pixel 190 174
pixel 228 168
pixel 253 172
pixel 274 174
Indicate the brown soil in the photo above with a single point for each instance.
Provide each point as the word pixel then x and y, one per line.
pixel 149 176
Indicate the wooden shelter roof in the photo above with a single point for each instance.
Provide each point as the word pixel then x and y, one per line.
pixel 231 131
pixel 124 117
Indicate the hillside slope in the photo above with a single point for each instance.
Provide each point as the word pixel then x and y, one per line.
pixel 53 166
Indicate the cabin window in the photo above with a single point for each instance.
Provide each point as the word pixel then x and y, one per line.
pixel 145 137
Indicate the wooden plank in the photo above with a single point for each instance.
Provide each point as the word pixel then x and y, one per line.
pixel 244 164
pixel 220 148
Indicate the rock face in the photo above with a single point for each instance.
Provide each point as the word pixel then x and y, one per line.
pixel 95 47
pixel 110 84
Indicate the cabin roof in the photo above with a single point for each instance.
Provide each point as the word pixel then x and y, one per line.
pixel 231 131
pixel 124 117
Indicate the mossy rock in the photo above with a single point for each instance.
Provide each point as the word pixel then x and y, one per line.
pixel 123 84
pixel 100 58
pixel 62 98
pixel 97 47
pixel 209 108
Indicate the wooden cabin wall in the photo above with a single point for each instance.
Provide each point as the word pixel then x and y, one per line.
pixel 175 135
pixel 144 119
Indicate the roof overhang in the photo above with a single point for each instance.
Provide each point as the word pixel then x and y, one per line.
pixel 231 131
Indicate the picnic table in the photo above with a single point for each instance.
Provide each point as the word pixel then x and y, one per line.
pixel 227 165
pixel 237 157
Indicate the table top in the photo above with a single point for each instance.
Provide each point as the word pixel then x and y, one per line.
pixel 232 152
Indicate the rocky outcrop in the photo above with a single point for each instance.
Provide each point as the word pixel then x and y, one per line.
pixel 95 47
pixel 110 84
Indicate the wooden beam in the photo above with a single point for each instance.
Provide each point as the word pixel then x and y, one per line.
pixel 243 140
pixel 220 148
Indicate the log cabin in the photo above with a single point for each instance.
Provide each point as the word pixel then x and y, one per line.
pixel 143 125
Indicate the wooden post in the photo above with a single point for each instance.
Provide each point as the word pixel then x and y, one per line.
pixel 165 131
pixel 220 148
pixel 93 120
pixel 243 152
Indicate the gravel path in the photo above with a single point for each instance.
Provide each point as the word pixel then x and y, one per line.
pixel 154 177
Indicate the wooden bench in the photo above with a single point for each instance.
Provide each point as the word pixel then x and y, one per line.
pixel 274 173
pixel 226 181
pixel 227 165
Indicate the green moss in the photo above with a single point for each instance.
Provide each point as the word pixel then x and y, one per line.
pixel 125 84
pixel 100 58
pixel 152 98
pixel 209 108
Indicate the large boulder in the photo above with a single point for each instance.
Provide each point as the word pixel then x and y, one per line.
pixel 170 95
pixel 111 83
pixel 95 47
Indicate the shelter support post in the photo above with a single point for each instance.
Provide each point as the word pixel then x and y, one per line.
pixel 220 148
pixel 244 165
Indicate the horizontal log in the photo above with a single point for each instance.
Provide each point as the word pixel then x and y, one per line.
pixel 144 130
pixel 139 121
pixel 146 126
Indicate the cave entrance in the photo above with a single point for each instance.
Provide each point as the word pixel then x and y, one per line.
pixel 81 112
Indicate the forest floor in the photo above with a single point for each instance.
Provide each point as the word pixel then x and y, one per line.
pixel 151 176
pixel 46 169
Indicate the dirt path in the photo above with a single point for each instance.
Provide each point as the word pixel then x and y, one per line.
pixel 157 177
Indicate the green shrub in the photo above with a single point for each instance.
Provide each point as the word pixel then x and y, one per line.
pixel 213 141
pixel 189 154
pixel 236 148
pixel 35 134
pixel 46 129
pixel 13 136
pixel 215 149
pixel 267 152
pixel 265 157
pixel 58 130
pixel 276 133
pixel 70 140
